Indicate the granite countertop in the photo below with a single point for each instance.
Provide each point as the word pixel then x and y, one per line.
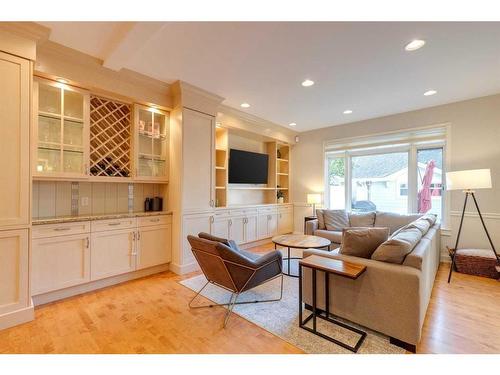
pixel 69 219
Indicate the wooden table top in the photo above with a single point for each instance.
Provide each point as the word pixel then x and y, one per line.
pixel 301 241
pixel 336 266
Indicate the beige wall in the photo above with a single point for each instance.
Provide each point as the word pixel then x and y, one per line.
pixel 474 143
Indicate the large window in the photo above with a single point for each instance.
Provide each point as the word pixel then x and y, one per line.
pixel 394 177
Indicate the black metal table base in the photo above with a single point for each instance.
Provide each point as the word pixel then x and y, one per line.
pixel 316 314
pixel 289 258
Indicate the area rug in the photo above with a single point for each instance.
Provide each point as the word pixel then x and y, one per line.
pixel 281 318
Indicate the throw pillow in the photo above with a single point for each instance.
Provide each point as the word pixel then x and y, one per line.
pixel 336 219
pixel 421 224
pixel 321 220
pixel 431 218
pixel 362 242
pixel 393 220
pixel 395 249
pixel 362 219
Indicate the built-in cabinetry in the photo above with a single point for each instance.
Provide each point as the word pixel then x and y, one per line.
pixel 151 148
pixel 15 83
pixel 197 156
pixel 243 225
pixel 61 130
pixel 70 254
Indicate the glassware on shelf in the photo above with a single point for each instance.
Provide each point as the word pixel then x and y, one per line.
pixel 73 104
pixel 49 160
pixel 49 99
pixel 49 129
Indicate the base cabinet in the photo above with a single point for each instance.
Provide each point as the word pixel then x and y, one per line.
pixel 60 262
pixel 267 225
pixel 113 253
pixel 237 229
pixel 153 246
pixel 285 221
pixel 251 229
pixel 14 278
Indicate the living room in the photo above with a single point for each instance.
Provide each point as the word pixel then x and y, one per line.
pixel 290 185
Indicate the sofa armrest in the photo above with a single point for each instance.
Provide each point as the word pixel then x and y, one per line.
pixel 387 297
pixel 311 226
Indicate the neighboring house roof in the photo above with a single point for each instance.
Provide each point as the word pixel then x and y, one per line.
pixel 376 166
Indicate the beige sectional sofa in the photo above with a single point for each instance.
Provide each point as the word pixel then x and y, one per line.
pixel 388 297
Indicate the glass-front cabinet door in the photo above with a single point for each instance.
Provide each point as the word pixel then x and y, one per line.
pixel 61 129
pixel 151 143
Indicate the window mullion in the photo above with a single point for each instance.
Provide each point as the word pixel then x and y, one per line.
pixel 412 180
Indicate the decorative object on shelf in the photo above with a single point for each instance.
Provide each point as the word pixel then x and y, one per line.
pixel 281 196
pixel 110 138
pixel 157 204
pixel 147 205
pixel 278 153
pixel 468 180
pixel 313 199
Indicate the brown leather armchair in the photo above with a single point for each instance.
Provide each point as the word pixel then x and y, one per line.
pixel 233 269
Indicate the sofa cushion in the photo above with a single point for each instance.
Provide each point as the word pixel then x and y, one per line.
pixel 431 218
pixel 336 219
pixel 395 249
pixel 333 235
pixel 421 224
pixel 321 219
pixel 362 219
pixel 362 242
pixel 393 221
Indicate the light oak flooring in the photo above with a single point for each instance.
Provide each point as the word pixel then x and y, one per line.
pixel 151 315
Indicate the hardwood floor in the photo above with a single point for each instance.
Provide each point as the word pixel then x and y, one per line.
pixel 151 315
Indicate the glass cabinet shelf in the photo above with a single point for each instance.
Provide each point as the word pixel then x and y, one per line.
pixel 62 131
pixel 151 129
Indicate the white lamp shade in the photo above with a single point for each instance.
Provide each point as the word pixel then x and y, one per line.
pixel 468 180
pixel 313 198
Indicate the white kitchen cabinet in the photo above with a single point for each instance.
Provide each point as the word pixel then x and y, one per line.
pixel 192 225
pixel 15 77
pixel 198 161
pixel 154 245
pixel 14 293
pixel 220 226
pixel 273 225
pixel 112 253
pixel 285 220
pixel 251 228
pixel 267 222
pixel 237 229
pixel 60 262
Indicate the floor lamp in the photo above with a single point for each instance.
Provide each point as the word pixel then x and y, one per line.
pixel 468 181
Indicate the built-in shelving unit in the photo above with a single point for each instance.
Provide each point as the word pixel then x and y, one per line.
pixel 221 165
pixel 234 195
pixel 110 138
pixel 61 129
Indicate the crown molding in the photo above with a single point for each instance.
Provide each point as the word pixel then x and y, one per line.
pixel 56 60
pixel 193 97
pixel 28 30
pixel 235 118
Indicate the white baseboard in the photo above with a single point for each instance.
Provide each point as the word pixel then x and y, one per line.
pixel 182 269
pixel 17 317
pixel 94 285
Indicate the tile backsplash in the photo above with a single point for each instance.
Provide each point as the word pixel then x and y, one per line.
pixel 61 198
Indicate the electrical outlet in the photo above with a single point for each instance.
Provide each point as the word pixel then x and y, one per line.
pixel 84 201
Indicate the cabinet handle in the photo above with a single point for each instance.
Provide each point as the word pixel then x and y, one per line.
pixel 154 220
pixel 61 229
pixel 212 219
pixel 114 224
pixel 133 236
pixel 138 236
pixel 87 245
pixel 230 222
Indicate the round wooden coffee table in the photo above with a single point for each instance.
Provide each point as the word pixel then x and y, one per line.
pixel 299 241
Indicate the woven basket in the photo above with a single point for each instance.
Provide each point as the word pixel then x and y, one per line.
pixel 479 262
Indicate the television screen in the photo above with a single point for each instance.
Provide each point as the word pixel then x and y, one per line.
pixel 247 167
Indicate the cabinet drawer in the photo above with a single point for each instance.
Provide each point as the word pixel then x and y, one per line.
pixel 112 224
pixel 268 210
pixel 62 229
pixel 146 221
pixel 285 209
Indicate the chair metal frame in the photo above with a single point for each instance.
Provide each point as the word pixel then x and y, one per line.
pixel 235 292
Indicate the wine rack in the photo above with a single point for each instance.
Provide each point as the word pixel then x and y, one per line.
pixel 110 138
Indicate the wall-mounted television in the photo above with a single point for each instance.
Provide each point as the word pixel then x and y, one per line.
pixel 247 167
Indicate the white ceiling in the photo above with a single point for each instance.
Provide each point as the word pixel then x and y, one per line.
pixel 359 66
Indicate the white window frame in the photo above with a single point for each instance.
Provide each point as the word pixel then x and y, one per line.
pixel 412 140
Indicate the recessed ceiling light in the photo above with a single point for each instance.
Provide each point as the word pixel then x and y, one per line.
pixel 430 92
pixel 292 124
pixel 414 45
pixel 347 112
pixel 244 105
pixel 61 80
pixel 307 83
